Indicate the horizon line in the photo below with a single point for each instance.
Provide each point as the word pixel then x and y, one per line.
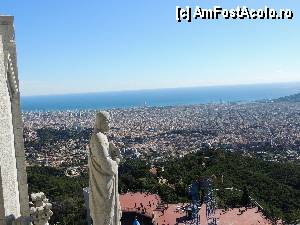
pixel 166 88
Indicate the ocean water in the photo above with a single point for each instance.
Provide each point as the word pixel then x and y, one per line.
pixel 162 97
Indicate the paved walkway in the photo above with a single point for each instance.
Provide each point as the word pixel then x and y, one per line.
pixel 168 214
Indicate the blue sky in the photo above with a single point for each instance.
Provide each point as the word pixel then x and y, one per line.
pixel 77 46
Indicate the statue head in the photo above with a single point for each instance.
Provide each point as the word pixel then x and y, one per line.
pixel 102 122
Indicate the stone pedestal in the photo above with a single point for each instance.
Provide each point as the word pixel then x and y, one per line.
pixel 86 192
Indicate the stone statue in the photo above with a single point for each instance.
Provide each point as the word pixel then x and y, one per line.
pixel 104 158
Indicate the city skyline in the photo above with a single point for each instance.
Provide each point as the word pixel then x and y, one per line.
pixel 113 46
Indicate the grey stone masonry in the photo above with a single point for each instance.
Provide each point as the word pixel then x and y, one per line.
pixel 14 188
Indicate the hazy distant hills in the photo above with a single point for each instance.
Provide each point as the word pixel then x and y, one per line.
pixel 290 98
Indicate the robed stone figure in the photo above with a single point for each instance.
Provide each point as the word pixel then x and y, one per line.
pixel 104 158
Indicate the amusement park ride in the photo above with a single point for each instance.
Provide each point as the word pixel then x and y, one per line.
pixel 194 189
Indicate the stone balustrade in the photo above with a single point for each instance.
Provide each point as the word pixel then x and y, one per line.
pixel 41 210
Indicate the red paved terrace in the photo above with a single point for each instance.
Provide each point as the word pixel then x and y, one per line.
pixel 166 214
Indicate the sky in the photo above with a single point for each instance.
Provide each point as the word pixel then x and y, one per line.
pixel 77 46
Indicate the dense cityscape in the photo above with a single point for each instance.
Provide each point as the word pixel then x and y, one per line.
pixel 270 131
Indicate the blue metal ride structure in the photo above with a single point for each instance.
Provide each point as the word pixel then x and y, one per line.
pixel 194 217
pixel 209 200
pixel 211 205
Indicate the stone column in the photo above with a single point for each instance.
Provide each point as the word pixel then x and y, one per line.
pixel 12 162
pixel 8 163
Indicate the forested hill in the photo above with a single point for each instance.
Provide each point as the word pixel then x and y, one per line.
pixel 276 186
pixel 290 98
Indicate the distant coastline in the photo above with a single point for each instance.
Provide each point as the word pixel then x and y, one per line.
pixel 160 97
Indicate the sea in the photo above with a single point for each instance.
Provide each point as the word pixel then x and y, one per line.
pixel 159 97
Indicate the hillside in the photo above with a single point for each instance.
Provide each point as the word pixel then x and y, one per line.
pixel 290 98
pixel 275 186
